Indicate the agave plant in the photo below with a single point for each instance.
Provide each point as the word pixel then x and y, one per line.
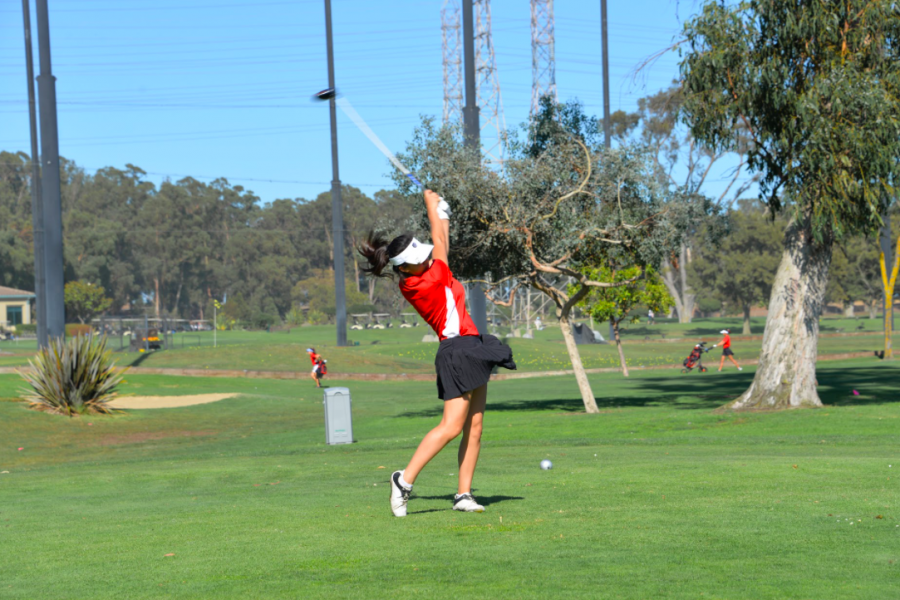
pixel 75 376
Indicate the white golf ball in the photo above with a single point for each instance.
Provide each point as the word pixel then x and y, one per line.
pixel 546 465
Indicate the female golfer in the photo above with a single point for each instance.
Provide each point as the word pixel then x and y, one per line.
pixel 464 359
pixel 726 349
pixel 314 359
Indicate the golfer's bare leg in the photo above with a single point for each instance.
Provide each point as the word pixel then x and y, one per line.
pixel 470 445
pixel 451 425
pixel 722 362
pixel 731 358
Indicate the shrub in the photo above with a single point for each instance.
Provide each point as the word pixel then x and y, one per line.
pixel 30 329
pixel 74 376
pixel 315 317
pixel 262 320
pixel 295 316
pixel 708 305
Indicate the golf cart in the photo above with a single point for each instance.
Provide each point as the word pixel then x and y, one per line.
pixel 357 325
pixel 382 321
pixel 145 338
pixel 403 322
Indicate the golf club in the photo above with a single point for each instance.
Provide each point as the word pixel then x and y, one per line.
pixel 344 104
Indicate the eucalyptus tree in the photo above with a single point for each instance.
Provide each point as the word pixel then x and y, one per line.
pixel 738 270
pixel 561 203
pixel 16 242
pixel 685 169
pixel 815 87
pixel 99 228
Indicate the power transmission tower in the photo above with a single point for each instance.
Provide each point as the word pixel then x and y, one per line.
pixel 451 44
pixel 543 54
pixel 490 102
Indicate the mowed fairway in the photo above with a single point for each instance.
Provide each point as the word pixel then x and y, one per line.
pixel 660 496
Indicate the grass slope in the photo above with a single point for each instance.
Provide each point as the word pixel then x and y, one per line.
pixel 658 497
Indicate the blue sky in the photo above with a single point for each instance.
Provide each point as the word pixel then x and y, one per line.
pixel 221 88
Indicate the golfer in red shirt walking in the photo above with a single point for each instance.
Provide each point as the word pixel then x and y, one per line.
pixel 464 359
pixel 726 349
pixel 314 359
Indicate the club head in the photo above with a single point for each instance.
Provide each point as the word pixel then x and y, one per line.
pixel 326 94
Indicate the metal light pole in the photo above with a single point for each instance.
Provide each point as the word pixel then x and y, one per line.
pixel 607 142
pixel 477 307
pixel 50 192
pixel 337 217
pixel 37 215
pixel 604 37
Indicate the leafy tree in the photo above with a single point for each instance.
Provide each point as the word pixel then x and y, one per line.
pixel 639 287
pixel 16 238
pixel 85 300
pixel 317 292
pixel 684 168
pixel 98 244
pixel 816 90
pixel 739 269
pixel 855 275
pixel 558 206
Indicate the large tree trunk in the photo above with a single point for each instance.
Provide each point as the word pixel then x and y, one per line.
pixel 786 376
pixel 584 386
pixel 873 309
pixel 156 296
pixel 849 309
pixel 678 288
pixel 746 330
pixel 615 327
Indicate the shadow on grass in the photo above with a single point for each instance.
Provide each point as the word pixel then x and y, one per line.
pixel 877 384
pixel 139 359
pixel 685 400
pixel 483 500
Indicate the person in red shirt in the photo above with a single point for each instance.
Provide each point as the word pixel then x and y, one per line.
pixel 315 359
pixel 464 358
pixel 726 349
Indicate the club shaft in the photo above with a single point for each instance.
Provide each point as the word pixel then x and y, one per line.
pixel 354 116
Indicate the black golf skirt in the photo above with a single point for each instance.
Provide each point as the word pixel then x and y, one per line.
pixel 727 352
pixel 464 363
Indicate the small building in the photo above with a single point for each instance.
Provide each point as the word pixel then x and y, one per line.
pixel 15 306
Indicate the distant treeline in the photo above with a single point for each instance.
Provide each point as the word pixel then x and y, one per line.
pixel 174 248
pixel 171 250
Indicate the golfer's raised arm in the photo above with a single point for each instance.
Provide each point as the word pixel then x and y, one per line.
pixel 440 228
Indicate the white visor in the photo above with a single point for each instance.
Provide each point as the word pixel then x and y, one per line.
pixel 724 331
pixel 414 254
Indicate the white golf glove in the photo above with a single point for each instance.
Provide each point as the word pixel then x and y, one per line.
pixel 714 345
pixel 443 210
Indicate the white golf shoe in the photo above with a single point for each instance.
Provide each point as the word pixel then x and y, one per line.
pixel 399 495
pixel 466 503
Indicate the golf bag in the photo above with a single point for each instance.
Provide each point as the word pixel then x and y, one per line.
pixel 695 359
pixel 321 368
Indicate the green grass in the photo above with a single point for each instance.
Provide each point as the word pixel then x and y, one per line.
pixel 660 496
pixel 402 351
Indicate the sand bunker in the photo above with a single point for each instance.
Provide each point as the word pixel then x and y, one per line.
pixel 166 401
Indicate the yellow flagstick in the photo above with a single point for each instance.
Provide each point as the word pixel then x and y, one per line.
pixel 889 295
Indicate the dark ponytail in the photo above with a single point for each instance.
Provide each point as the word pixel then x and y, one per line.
pixel 378 251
